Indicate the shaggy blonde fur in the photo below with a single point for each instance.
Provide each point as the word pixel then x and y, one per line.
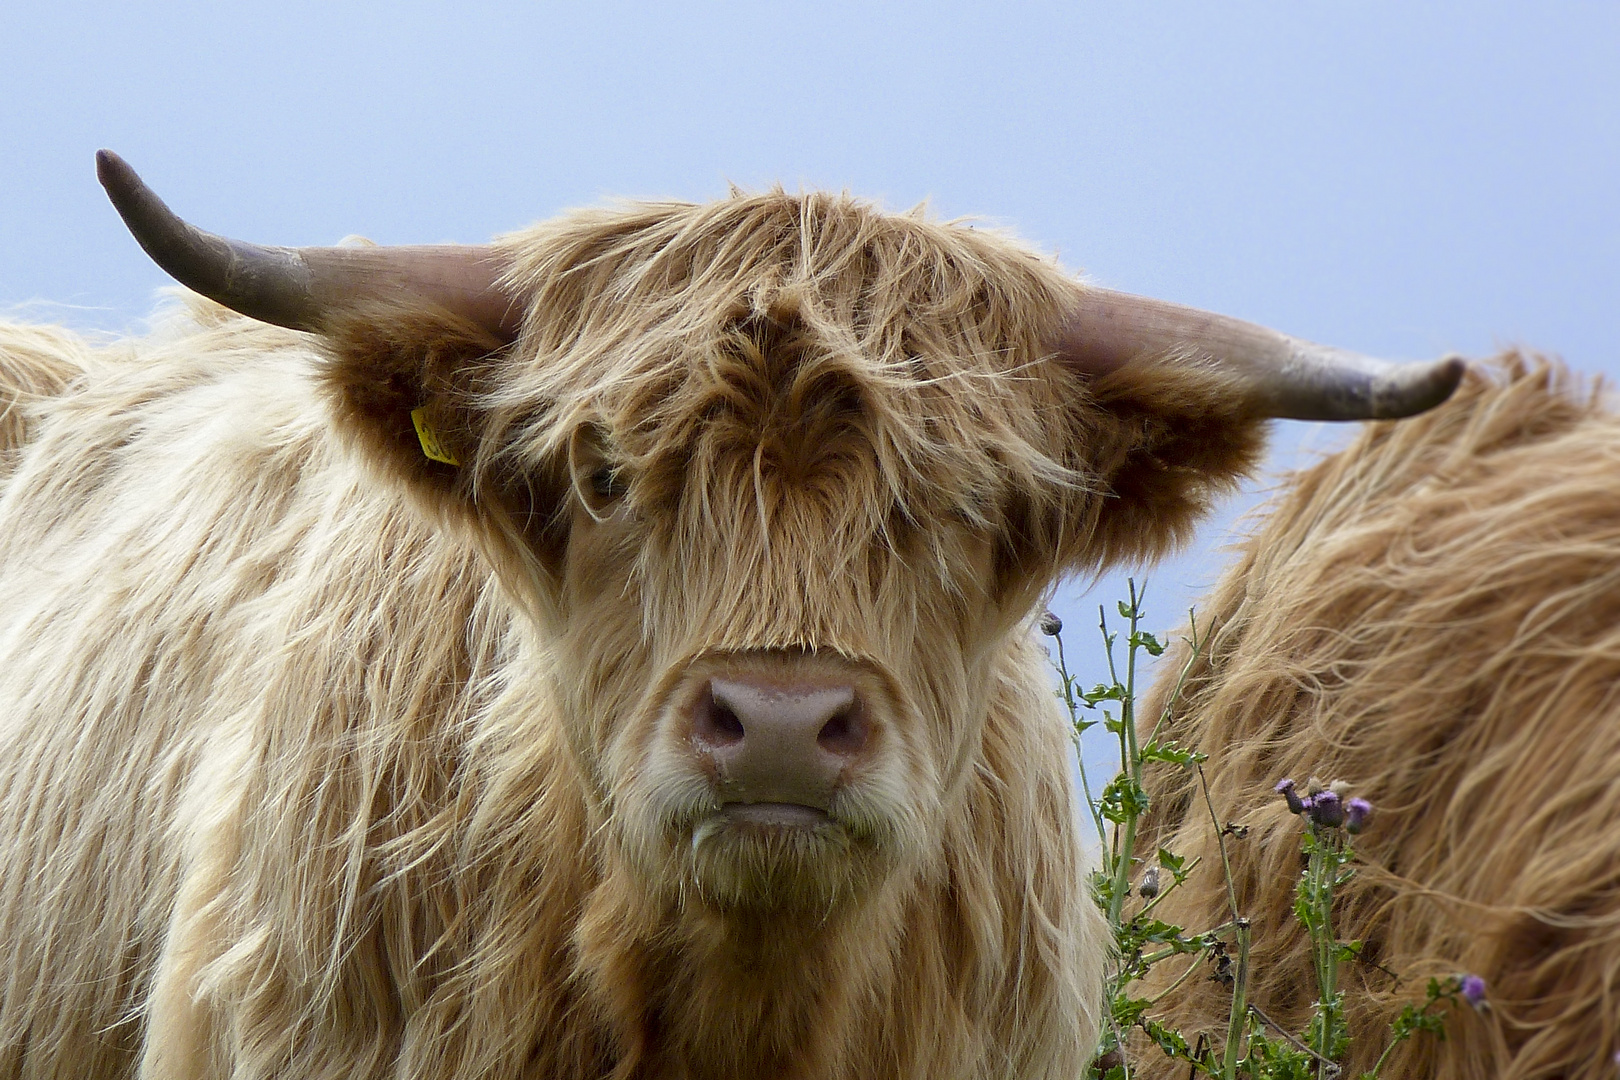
pixel 326 760
pixel 37 364
pixel 1429 615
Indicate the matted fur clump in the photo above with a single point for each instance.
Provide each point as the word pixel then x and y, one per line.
pixel 1433 616
pixel 323 759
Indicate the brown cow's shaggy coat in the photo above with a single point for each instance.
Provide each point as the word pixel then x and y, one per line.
pixel 1432 615
pixel 322 759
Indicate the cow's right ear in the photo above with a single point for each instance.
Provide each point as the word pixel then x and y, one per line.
pixel 403 382
pixel 411 333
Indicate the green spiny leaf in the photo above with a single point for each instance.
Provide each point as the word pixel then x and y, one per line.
pixel 1144 640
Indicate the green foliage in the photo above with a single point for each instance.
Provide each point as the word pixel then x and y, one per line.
pixel 1173 863
pixel 1420 1018
pixel 1172 754
pixel 1253 1047
pixel 1123 800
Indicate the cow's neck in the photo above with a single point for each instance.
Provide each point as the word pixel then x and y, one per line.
pixel 704 995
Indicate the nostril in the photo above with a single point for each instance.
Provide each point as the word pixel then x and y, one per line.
pixel 726 723
pixel 715 724
pixel 844 734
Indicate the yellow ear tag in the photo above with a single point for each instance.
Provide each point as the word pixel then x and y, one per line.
pixel 432 448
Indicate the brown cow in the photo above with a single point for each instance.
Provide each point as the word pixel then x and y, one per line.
pixel 604 653
pixel 1433 616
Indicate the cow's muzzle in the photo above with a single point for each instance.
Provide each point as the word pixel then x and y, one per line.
pixel 780 744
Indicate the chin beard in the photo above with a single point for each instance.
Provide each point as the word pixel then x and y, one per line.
pixel 748 864
pixel 764 858
pixel 771 857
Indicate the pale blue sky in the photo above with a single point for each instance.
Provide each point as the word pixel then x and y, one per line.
pixel 1399 178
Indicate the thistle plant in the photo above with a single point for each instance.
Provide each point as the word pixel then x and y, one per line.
pixel 1254 1045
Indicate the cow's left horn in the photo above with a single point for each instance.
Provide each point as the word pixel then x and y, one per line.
pixel 304 288
pixel 1277 375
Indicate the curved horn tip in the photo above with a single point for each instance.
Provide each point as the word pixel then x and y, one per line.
pixel 302 288
pixel 108 164
pixel 1420 387
pixel 115 175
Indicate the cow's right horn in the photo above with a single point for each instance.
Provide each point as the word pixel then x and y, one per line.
pixel 304 288
pixel 1275 374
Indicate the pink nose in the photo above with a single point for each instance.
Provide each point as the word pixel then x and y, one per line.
pixel 780 742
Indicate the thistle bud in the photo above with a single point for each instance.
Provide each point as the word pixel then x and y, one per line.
pixel 1356 813
pixel 1051 625
pixel 1148 887
pixel 1285 788
pixel 1326 810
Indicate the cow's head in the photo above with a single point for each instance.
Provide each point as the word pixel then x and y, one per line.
pixel 779 476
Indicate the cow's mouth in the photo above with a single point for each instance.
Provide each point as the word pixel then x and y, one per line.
pixel 764 821
pixel 776 856
pixel 775 814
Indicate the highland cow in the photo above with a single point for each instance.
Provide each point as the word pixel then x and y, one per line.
pixel 603 653
pixel 1432 616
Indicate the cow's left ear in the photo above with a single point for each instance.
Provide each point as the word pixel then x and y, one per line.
pixel 1170 405
pixel 1152 447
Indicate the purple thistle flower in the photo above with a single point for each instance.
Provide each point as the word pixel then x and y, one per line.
pixel 1285 788
pixel 1326 810
pixel 1356 813
pixel 1473 991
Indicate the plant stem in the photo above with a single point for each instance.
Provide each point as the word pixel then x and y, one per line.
pixel 1322 870
pixel 1237 1020
pixel 1127 715
pixel 1194 646
pixel 1130 758
pixel 1079 747
pixel 1192 967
